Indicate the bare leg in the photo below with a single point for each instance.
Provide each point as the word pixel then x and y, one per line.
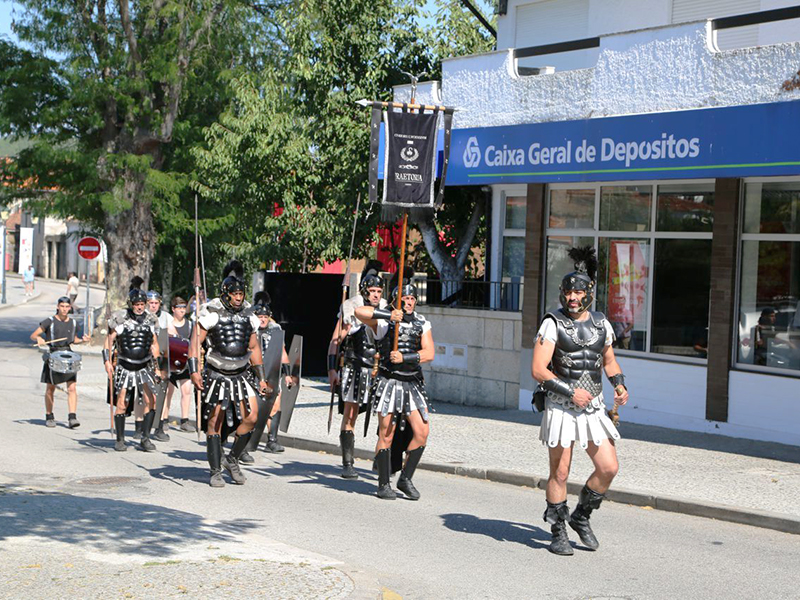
pixel 72 396
pixel 186 398
pixel 604 458
pixel 48 398
pixel 168 401
pixel 350 416
pixel 385 433
pixel 421 431
pixel 560 463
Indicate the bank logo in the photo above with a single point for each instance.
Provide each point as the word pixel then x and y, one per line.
pixel 472 153
pixel 409 153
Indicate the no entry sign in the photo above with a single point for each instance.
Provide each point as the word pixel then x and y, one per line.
pixel 89 248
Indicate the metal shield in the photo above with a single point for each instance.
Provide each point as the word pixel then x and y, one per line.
pixel 271 355
pixel 160 391
pixel 289 394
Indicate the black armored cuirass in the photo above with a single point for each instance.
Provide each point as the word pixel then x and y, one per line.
pixel 230 337
pixel 578 356
pixel 409 340
pixel 135 340
pixel 360 348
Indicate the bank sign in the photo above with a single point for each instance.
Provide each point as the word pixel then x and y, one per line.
pixel 738 141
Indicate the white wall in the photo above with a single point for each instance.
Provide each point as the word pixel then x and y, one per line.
pixel 654 70
pixel 763 407
pixel 615 16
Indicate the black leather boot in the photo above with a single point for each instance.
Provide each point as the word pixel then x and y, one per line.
pixel 272 439
pixel 556 515
pixel 214 454
pixel 231 462
pixel 404 481
pixel 588 500
pixel 137 430
pixel 384 460
pixel 347 439
pixel 119 427
pixel 147 425
pixel 159 434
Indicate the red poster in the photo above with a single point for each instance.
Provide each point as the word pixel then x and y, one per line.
pixel 627 281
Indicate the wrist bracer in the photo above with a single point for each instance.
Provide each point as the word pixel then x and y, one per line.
pixel 106 356
pixel 557 386
pixel 331 362
pixel 194 365
pixel 618 379
pixel 411 358
pixel 382 313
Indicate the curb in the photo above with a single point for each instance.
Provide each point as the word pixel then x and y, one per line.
pixel 721 512
pixel 28 299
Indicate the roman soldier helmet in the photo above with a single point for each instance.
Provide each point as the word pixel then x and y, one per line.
pixel 232 281
pixel 370 277
pixel 582 278
pixel 408 288
pixel 136 293
pixel 261 304
pixel 153 295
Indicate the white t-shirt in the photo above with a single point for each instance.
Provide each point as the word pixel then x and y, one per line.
pixel 72 286
pixel 548 331
pixel 164 319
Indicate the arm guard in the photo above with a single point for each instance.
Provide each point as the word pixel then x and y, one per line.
pixel 194 365
pixel 411 358
pixel 262 372
pixel 286 370
pixel 331 362
pixel 162 363
pixel 618 379
pixel 382 313
pixel 106 356
pixel 557 386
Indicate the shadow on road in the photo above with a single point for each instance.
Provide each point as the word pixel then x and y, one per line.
pixel 99 524
pixel 321 474
pixel 502 531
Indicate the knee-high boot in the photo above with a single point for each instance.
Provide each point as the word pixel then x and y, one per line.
pixel 119 427
pixel 404 481
pixel 384 461
pixel 347 439
pixel 588 500
pixel 214 454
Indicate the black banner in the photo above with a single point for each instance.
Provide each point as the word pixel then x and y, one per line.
pixel 410 161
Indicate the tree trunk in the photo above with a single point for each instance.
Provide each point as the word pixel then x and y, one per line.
pixel 166 276
pixel 450 267
pixel 130 237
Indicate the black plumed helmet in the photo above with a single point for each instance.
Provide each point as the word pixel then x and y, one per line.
pixel 581 279
pixel 261 304
pixel 232 281
pixel 136 293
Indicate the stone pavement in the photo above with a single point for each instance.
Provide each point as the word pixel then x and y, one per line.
pixel 714 476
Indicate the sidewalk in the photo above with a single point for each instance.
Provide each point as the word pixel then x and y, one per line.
pixel 744 481
pixel 15 291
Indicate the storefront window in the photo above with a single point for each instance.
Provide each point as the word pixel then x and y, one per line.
pixel 559 264
pixel 623 282
pixel 772 208
pixel 625 208
pixel 571 209
pixel 515 212
pixel 685 207
pixel 654 279
pixel 513 256
pixel 769 306
pixel 680 297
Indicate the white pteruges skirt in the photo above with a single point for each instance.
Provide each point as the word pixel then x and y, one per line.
pixel 565 426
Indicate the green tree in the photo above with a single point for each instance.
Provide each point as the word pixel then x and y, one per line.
pixel 100 86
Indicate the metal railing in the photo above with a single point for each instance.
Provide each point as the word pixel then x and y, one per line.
pixel 480 295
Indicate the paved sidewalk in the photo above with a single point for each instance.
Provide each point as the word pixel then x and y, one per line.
pixel 15 291
pixel 727 478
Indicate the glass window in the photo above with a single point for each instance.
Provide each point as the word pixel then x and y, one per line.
pixel 571 209
pixel 772 208
pixel 769 307
pixel 622 285
pixel 625 207
pixel 515 212
pixel 685 207
pixel 682 270
pixel 513 256
pixel 559 264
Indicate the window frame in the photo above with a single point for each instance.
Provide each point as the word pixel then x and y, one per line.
pixel 755 237
pixel 651 236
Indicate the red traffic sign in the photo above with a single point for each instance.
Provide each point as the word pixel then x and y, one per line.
pixel 89 248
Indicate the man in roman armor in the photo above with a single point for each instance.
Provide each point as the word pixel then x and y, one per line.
pixel 573 347
pixel 356 345
pixel 398 393
pixel 269 333
pixel 228 386
pixel 133 332
pixel 181 328
pixel 163 331
pixel 58 332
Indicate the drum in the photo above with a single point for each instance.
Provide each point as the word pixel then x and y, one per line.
pixel 178 354
pixel 64 361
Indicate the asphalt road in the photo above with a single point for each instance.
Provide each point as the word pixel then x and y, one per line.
pixel 76 516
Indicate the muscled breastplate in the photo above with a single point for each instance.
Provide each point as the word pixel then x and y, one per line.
pixel 578 356
pixel 409 340
pixel 229 341
pixel 135 341
pixel 361 348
